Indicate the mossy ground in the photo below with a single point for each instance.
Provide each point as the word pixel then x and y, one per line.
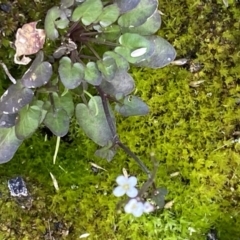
pixel 189 129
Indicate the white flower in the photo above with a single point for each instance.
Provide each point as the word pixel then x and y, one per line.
pixel 137 208
pixel 148 207
pixel 134 207
pixel 126 185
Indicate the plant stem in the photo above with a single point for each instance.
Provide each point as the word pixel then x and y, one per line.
pixel 52 102
pixel 115 137
pixel 73 27
pixel 150 181
pixel 88 34
pixel 93 51
pixel 131 154
pixel 88 57
pixel 107 113
pixel 100 42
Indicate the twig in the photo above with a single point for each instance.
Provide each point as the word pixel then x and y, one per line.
pixel 56 149
pixel 49 229
pixel 13 80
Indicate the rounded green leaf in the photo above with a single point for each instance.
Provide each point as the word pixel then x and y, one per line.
pixel 8 120
pixel 67 3
pixel 122 83
pixel 15 98
pixel 93 121
pixel 66 102
pixel 135 55
pixel 37 75
pixel 138 52
pixel 80 90
pixel 29 120
pixel 46 106
pixel 164 53
pixel 55 18
pixel 138 15
pixel 70 74
pixel 88 11
pixel 107 152
pixel 9 144
pixel 133 40
pixel 151 26
pixel 132 106
pixel 109 15
pixel 57 121
pixel 107 67
pixel 49 25
pixel 135 47
pixel 159 196
pixel 92 74
pixel 121 62
pixel 62 23
pixel 126 5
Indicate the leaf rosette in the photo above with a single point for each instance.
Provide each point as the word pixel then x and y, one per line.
pixel 95 42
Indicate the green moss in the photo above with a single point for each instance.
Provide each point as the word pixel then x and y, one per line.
pixel 189 129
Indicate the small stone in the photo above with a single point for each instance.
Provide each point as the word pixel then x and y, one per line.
pixel 5 7
pixel 195 67
pixel 17 187
pixel 212 235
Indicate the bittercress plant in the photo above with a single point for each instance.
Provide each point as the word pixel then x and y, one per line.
pixel 98 41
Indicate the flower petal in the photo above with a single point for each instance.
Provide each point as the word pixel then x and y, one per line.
pixel 119 191
pixel 148 207
pixel 121 180
pixel 132 192
pixel 132 181
pixel 138 211
pixel 130 206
